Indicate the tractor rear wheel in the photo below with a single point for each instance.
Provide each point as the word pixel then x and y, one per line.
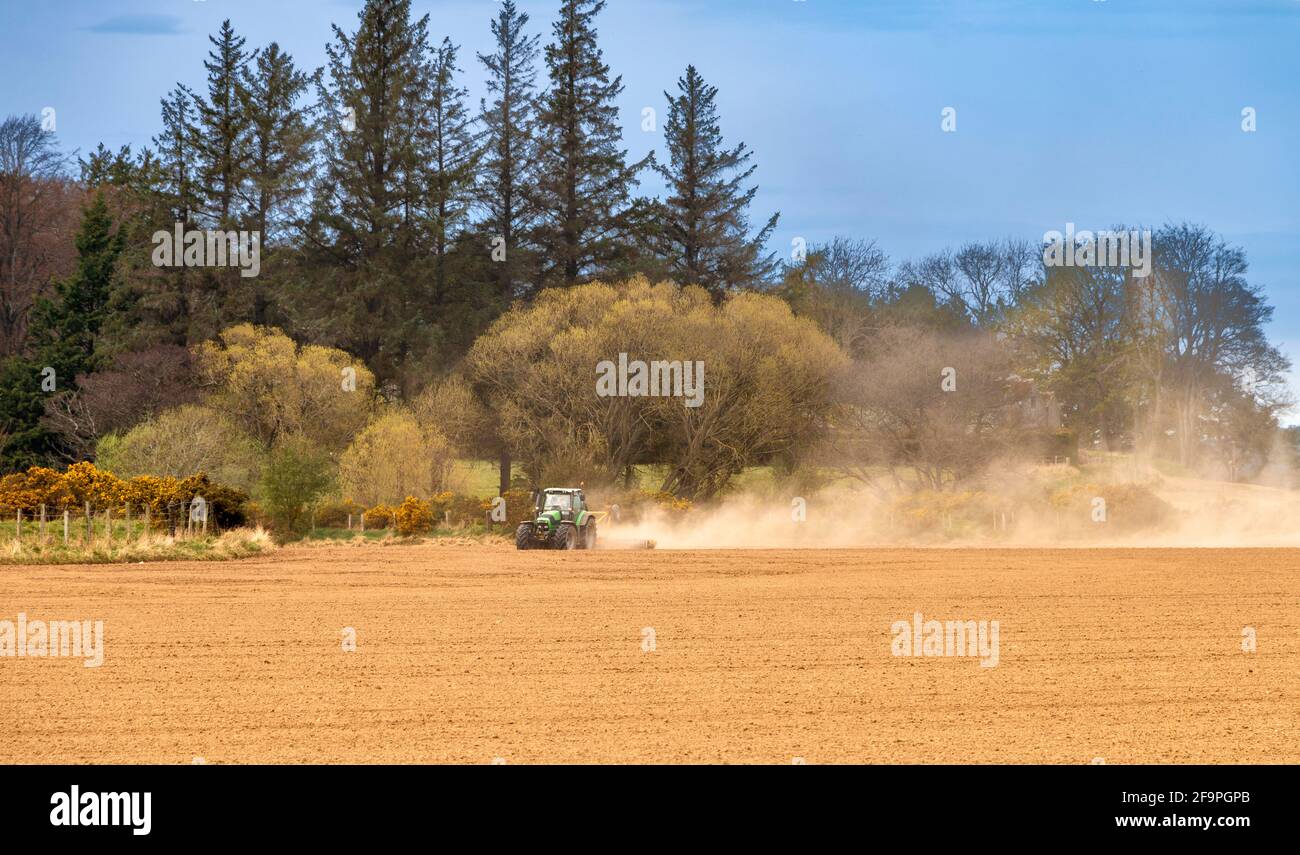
pixel 589 536
pixel 524 536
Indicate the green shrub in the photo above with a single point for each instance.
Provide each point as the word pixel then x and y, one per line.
pixel 336 514
pixel 467 510
pixel 180 442
pixel 297 473
pixel 1128 507
pixel 227 506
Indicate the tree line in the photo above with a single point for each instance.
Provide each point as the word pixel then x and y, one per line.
pixel 400 222
pixel 397 219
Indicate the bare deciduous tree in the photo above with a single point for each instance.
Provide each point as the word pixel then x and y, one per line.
pixel 979 279
pixel 1212 323
pixel 37 218
pixel 137 386
pixel 938 405
pixel 838 286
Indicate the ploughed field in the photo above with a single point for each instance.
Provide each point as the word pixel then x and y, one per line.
pixel 480 654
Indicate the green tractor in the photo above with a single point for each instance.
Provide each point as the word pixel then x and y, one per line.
pixel 561 521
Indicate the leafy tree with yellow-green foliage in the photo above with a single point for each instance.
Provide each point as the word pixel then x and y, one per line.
pixel 765 396
pixel 272 388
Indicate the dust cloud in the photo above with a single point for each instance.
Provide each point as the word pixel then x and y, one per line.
pixel 1037 507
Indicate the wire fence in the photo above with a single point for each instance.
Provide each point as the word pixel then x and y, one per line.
pixel 89 525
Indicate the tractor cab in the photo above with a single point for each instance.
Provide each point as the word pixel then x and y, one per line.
pixel 569 503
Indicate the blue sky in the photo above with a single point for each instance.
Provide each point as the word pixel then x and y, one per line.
pixel 1067 110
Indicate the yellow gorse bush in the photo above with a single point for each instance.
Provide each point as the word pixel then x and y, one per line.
pixel 88 484
pixel 441 503
pixel 413 516
pixel 29 490
pixel 83 482
pixel 418 516
pixel 669 502
pixel 380 516
pixel 926 509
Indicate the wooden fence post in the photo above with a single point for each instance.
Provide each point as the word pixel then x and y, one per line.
pixel 65 526
pixel 42 522
pixel 90 526
pixel 108 525
pixel 18 529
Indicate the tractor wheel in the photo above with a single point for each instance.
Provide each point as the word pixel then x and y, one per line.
pixel 565 536
pixel 589 536
pixel 524 536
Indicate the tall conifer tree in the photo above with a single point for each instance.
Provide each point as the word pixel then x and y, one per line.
pixel 368 233
pixel 453 158
pixel 705 230
pixel 508 168
pixel 222 132
pixel 280 147
pixel 584 183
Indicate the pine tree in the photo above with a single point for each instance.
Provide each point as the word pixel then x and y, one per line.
pixel 181 299
pixel 280 147
pixel 24 441
pixel 509 165
pixel 583 182
pixel 177 152
pixel 220 296
pixel 222 138
pixel 65 330
pixel 373 106
pixel 367 232
pixel 280 140
pixel 509 151
pixel 106 167
pixel 705 230
pixel 453 159
pixel 132 183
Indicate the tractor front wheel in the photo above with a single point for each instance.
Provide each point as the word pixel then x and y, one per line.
pixel 524 536
pixel 565 536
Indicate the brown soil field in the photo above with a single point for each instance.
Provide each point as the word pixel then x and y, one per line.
pixel 480 654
